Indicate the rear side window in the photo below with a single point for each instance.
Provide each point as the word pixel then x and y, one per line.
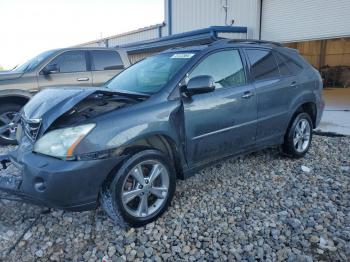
pixel 70 62
pixel 106 60
pixel 225 67
pixel 263 64
pixel 287 65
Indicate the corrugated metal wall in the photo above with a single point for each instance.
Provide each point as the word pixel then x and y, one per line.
pixel 299 20
pixel 129 37
pixel 95 44
pixel 137 57
pixel 189 15
pixel 134 37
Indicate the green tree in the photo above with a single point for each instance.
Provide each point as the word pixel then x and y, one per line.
pixel 1 68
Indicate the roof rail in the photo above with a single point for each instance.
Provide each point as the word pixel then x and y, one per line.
pixel 253 41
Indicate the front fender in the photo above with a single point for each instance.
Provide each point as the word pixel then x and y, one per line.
pixel 127 125
pixel 128 137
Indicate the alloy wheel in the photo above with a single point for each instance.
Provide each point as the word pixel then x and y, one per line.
pixel 8 127
pixel 145 188
pixel 302 135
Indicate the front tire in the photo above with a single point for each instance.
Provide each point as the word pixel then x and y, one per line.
pixel 298 137
pixel 141 189
pixel 7 126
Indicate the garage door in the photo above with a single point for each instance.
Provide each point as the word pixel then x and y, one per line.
pixel 299 20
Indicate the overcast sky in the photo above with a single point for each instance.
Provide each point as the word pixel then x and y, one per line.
pixel 29 27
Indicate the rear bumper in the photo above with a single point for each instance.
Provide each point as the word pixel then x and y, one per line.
pixel 46 181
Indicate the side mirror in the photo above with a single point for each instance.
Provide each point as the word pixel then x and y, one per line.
pixel 50 69
pixel 200 85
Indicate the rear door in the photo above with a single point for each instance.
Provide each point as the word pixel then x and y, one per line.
pixel 274 94
pixel 105 64
pixel 72 70
pixel 222 122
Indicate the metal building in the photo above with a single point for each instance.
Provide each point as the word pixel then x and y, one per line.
pixel 289 21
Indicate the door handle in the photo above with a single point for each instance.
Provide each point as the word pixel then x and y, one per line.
pixel 293 84
pixel 247 94
pixel 83 79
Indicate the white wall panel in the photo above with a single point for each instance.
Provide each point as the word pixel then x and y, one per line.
pixel 298 20
pixel 189 15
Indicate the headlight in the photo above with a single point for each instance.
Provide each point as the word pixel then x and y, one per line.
pixel 62 142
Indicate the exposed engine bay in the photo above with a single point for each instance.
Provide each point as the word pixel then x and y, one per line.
pixel 58 108
pixel 93 105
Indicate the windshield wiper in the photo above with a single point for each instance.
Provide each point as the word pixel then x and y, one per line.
pixel 129 93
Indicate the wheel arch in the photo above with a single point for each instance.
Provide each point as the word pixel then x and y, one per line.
pixel 289 147
pixel 307 107
pixel 14 96
pixel 161 142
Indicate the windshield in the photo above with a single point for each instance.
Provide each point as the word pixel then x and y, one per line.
pixel 151 74
pixel 33 63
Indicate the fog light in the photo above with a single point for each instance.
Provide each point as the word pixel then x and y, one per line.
pixel 39 184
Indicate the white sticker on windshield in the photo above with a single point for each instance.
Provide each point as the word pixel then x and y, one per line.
pixel 182 55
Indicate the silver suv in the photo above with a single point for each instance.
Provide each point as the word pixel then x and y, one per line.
pixel 60 67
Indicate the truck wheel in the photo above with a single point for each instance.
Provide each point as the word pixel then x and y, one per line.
pixel 7 127
pixel 141 189
pixel 299 135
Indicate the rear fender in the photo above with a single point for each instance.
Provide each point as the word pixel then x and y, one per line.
pixel 305 97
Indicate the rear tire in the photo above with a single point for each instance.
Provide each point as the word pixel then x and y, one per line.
pixel 7 129
pixel 298 138
pixel 135 197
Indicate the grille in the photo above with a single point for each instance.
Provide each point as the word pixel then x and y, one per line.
pixel 31 127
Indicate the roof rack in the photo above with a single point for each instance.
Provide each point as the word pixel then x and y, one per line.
pixel 248 41
pixel 254 41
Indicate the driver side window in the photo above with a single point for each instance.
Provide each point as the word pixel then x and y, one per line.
pixel 70 62
pixel 225 67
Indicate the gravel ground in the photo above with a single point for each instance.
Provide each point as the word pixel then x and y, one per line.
pixel 259 207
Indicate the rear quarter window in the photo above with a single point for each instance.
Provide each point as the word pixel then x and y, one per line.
pixel 263 64
pixel 288 66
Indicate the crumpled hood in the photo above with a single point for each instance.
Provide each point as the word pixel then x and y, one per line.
pixel 51 103
pixel 9 75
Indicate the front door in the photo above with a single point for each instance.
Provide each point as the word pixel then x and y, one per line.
pixel 222 122
pixel 72 70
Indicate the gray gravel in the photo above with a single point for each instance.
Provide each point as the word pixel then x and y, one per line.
pixel 259 207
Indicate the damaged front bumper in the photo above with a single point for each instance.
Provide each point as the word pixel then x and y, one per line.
pixel 51 182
